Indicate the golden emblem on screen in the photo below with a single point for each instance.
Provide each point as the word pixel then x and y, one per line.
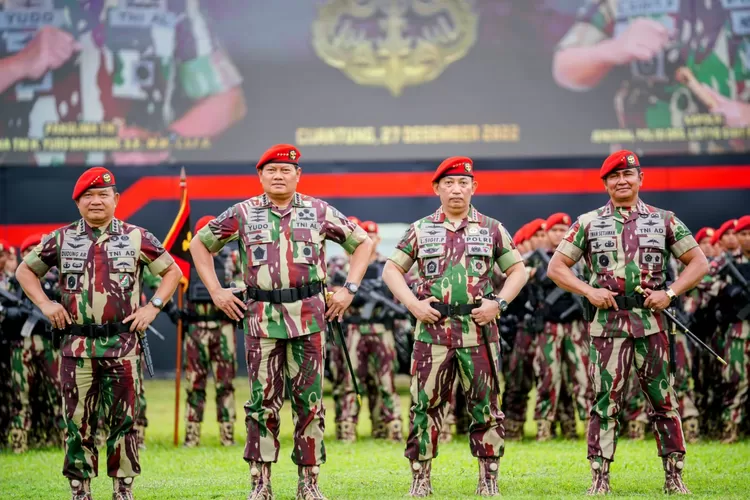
pixel 394 43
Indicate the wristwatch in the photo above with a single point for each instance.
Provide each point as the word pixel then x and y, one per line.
pixel 157 302
pixel 671 295
pixel 503 305
pixel 351 287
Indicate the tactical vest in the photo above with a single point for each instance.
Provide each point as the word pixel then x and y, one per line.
pixel 197 291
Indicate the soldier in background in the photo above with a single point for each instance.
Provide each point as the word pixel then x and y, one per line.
pixel 35 366
pixel 210 345
pixel 52 70
pixel 6 389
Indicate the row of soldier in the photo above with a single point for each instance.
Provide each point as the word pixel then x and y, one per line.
pixel 458 273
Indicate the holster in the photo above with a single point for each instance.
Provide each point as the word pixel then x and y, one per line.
pixel 589 310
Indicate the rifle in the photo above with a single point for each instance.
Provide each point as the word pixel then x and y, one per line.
pixel 24 307
pixel 743 284
pixel 147 353
pixel 370 294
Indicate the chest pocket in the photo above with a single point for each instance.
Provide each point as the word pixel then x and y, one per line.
pixel 431 260
pixel 603 254
pixel 121 257
pixel 651 248
pixel 73 257
pixel 258 245
pixel 306 246
pixel 478 255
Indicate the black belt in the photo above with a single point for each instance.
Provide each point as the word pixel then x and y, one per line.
pixel 628 302
pixel 446 310
pixel 285 295
pixel 96 331
pixel 194 318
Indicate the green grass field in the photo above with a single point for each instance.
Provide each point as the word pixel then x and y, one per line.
pixel 372 469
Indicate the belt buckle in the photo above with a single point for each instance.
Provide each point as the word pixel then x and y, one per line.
pixel 98 329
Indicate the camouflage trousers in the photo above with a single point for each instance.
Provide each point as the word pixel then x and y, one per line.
pixel 710 386
pixel 612 360
pixel 109 385
pixel 518 373
pixel 561 359
pixel 36 371
pixel 6 391
pixel 373 357
pixel 210 346
pixel 636 403
pixel 434 368
pixel 297 364
pixel 736 379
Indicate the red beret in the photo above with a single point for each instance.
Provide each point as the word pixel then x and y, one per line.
pixel 554 219
pixel 723 229
pixel 369 226
pixel 31 241
pixel 355 220
pixel 455 165
pixel 517 237
pixel 704 232
pixel 743 223
pixel 280 153
pixel 534 226
pixel 95 177
pixel 203 221
pixel 617 161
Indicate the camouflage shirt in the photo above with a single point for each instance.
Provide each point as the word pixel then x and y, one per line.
pixel 340 263
pixel 283 249
pixel 739 329
pixel 135 54
pixel 712 40
pixel 100 279
pixel 625 248
pixel 455 265
pixel 208 308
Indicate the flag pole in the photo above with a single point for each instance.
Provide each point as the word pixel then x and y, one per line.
pixel 180 295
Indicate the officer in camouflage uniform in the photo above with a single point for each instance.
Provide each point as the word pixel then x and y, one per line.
pixel 101 261
pixel 372 350
pixel 6 390
pixel 626 244
pixel 684 58
pixel 119 62
pixel 282 237
pixel 725 239
pixel 456 249
pixel 736 374
pixel 210 345
pixel 561 358
pixel 35 364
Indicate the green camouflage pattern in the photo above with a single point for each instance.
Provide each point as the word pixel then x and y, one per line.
pixel 736 374
pixel 282 249
pixel 35 366
pixel 100 279
pixel 373 358
pixel 712 40
pixel 152 50
pixel 294 367
pixel 455 265
pixel 612 359
pixel 112 383
pixel 626 248
pixel 561 359
pixel 210 345
pixel 434 368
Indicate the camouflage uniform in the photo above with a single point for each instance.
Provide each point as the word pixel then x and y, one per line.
pixel 284 342
pixel 711 40
pixel 6 390
pixel 561 361
pixel 100 283
pixel 736 374
pixel 35 366
pixel 150 48
pixel 210 345
pixel 372 350
pixel 626 248
pixel 455 266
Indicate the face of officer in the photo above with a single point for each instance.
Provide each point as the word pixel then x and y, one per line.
pixel 279 180
pixel 729 240
pixel 97 205
pixel 455 193
pixel 623 186
pixel 556 234
pixel 706 246
pixel 744 239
